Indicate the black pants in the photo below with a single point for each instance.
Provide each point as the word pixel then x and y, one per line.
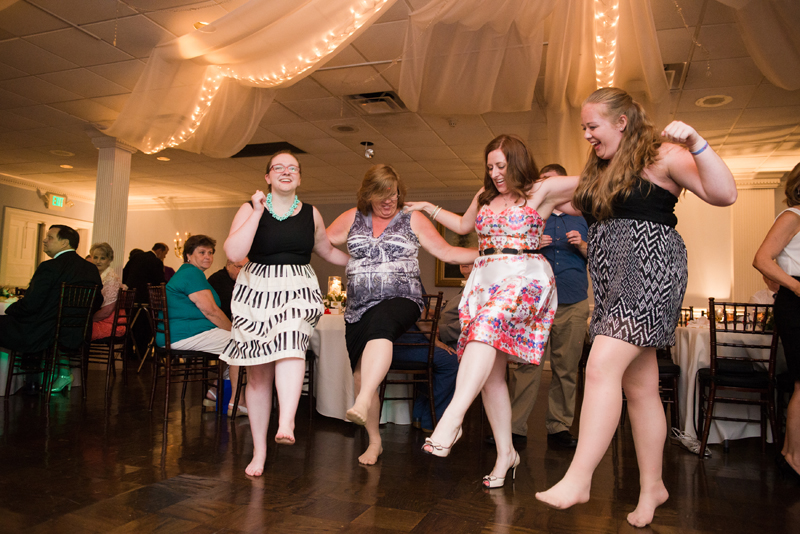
pixel 787 320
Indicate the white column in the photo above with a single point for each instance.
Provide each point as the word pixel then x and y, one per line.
pixel 752 217
pixel 111 197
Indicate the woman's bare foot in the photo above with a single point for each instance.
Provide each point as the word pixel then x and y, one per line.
pixel 370 456
pixel 565 494
pixel 358 414
pixel 256 467
pixel 648 502
pixel 284 437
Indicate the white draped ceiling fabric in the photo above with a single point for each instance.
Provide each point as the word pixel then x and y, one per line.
pixel 769 29
pixel 207 90
pixel 473 56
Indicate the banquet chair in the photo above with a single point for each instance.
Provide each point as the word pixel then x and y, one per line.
pixel 179 366
pixel 75 308
pixel 739 373
pixel 105 350
pixel 687 314
pixel 668 375
pixel 418 373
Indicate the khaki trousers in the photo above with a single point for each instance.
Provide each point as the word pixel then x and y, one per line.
pixel 564 349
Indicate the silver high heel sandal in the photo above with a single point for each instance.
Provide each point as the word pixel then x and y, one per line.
pixel 491 482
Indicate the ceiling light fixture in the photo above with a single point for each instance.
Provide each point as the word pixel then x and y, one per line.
pixel 713 101
pixel 369 152
pixel 65 166
pixel 606 19
pixel 63 153
pixel 197 25
pixel 162 158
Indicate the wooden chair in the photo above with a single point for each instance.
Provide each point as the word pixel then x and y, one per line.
pixel 75 309
pixel 181 366
pixel 418 373
pixel 740 373
pixel 687 314
pixel 104 351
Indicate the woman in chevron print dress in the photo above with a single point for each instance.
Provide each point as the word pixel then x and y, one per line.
pixel 276 301
pixel 637 262
pixel 509 302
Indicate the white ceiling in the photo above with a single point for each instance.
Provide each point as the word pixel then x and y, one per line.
pixel 68 65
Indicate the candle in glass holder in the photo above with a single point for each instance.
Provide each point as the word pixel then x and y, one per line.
pixel 334 285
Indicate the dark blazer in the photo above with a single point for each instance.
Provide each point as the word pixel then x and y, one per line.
pixel 31 322
pixel 223 285
pixel 143 269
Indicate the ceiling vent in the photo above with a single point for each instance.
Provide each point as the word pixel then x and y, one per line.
pixel 377 103
pixel 266 149
pixel 674 72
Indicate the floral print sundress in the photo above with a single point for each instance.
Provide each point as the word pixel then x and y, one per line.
pixel 509 300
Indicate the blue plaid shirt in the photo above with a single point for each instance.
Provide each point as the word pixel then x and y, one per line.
pixel 569 265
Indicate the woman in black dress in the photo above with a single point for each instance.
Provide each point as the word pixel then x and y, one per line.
pixel 637 261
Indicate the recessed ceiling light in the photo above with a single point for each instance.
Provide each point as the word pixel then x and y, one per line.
pixel 61 153
pixel 344 128
pixel 713 101
pixel 162 158
pixel 198 25
pixel 65 166
pixel 204 27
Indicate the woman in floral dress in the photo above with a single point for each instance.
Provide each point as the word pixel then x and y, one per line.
pixel 509 301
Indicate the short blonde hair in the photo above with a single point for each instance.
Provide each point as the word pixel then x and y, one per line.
pixel 793 187
pixel 377 185
pixel 105 248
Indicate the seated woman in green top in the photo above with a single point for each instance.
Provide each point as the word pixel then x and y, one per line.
pixel 196 321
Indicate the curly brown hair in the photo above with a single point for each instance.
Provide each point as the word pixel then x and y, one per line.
pixel 604 181
pixel 521 170
pixel 378 183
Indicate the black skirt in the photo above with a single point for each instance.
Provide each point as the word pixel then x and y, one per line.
pixel 787 320
pixel 639 276
pixel 388 319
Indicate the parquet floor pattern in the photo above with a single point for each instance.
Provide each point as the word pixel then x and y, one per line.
pixel 99 468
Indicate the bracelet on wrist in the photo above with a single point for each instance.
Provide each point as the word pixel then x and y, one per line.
pixel 705 146
pixel 435 212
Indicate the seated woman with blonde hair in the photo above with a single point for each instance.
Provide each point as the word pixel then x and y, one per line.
pixel 102 255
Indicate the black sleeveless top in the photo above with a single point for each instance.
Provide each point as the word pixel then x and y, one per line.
pixel 646 202
pixel 287 242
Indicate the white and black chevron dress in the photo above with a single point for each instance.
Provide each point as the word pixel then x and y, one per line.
pixel 276 302
pixel 637 262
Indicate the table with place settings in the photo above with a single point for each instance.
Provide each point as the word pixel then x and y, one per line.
pixel 692 351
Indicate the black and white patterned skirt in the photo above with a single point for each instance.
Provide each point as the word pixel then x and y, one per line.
pixel 639 276
pixel 275 309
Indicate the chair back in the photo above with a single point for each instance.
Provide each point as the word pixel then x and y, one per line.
pixel 123 311
pixel 428 324
pixel 750 323
pixel 75 308
pixel 687 314
pixel 157 311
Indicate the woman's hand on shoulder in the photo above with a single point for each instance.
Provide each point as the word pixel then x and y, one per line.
pixel 259 200
pixel 681 133
pixel 409 207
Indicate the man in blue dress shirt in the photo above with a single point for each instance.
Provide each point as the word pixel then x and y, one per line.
pixel 564 245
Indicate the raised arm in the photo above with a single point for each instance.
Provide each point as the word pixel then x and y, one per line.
pixel 432 241
pixel 555 193
pixel 338 230
pixel 698 168
pixel 322 245
pixel 243 228
pixel 460 224
pixel 785 228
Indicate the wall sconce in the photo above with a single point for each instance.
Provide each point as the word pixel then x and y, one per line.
pixel 180 242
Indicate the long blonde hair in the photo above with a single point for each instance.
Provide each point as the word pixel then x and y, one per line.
pixel 604 181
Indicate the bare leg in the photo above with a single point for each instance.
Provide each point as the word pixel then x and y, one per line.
pixel 602 404
pixel 259 400
pixel 791 442
pixel 289 374
pixel 370 372
pixel 476 365
pixel 498 409
pixel 649 427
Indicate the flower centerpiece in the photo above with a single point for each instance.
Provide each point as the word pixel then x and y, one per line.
pixel 336 299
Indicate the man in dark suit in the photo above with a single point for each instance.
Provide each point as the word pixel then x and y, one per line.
pixel 29 324
pixel 142 269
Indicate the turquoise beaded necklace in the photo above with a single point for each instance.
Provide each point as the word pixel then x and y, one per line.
pixel 287 214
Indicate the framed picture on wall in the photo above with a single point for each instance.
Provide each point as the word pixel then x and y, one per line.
pixel 448 275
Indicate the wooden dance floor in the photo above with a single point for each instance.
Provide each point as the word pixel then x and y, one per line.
pixel 91 469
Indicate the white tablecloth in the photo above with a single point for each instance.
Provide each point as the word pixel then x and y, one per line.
pixel 692 351
pixel 333 379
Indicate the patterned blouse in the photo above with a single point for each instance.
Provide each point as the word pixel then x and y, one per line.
pixel 383 267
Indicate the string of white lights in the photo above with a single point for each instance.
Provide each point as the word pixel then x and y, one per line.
pixel 606 25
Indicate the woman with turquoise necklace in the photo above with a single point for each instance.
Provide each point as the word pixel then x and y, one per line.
pixel 276 302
